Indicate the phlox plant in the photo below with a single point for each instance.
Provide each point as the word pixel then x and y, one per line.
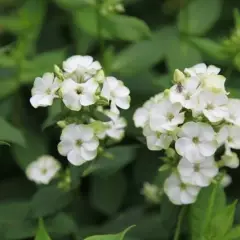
pixel 119 119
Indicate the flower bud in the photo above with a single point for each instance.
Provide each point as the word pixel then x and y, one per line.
pixel 152 193
pixel 178 76
pixel 230 159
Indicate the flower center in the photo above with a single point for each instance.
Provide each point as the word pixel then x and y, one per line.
pixel 195 140
pixel 79 90
pixel 187 96
pixel 48 91
pixel 170 116
pixel 196 167
pixel 230 139
pixel 209 106
pixel 78 143
pixel 43 171
pixel 183 186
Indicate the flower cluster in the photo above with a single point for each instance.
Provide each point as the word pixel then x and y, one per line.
pixel 83 88
pixel 43 170
pixel 196 118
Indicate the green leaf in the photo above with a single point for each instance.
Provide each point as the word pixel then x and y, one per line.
pixel 113 26
pixel 113 189
pixel 13 24
pixel 119 236
pixel 12 212
pixel 199 210
pixel 222 222
pixel 179 53
pixel 41 232
pixel 210 48
pixel 56 200
pixel 74 4
pixel 234 233
pixel 40 64
pixel 140 56
pixel 8 87
pixel 11 134
pixel 120 157
pixel 35 147
pixel 199 16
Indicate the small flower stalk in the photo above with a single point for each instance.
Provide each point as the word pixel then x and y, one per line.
pixel 93 101
pixel 194 118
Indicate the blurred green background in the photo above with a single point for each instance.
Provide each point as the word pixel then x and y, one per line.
pixel 142 46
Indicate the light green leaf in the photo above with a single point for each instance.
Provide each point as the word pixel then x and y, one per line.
pixel 13 24
pixel 10 134
pixel 40 64
pixel 74 4
pixel 234 234
pixel 179 53
pixel 119 236
pixel 120 157
pixel 210 48
pixel 41 232
pixel 140 56
pixel 199 210
pixel 113 26
pixel 35 147
pixel 222 222
pixel 56 200
pixel 199 16
pixel 109 199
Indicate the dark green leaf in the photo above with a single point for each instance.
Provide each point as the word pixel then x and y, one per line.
pixel 11 134
pixel 56 200
pixel 113 190
pixel 8 87
pixel 199 16
pixel 113 26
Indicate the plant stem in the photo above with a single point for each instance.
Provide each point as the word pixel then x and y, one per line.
pixel 179 223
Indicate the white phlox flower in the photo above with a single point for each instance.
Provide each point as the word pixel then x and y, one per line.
pixel 75 95
pixel 197 140
pixel 165 116
pixel 210 80
pixel 141 115
pixel 43 170
pixel 234 112
pixel 230 159
pixel 81 68
pixel 178 192
pixel 115 128
pixel 201 69
pixel 156 140
pixel 115 92
pixel 230 136
pixel 186 92
pixel 213 106
pixel 78 143
pixel 199 173
pixel 44 90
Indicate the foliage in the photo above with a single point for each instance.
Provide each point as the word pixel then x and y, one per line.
pixel 141 46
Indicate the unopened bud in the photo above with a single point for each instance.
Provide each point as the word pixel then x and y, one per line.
pixel 62 124
pixel 178 76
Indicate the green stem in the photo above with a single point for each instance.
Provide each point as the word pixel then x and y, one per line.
pixel 179 223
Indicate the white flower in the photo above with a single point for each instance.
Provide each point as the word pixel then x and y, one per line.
pixel 115 128
pixel 157 141
pixel 230 159
pixel 165 116
pixel 43 170
pixel 178 192
pixel 78 143
pixel 226 180
pixel 213 105
pixel 75 95
pixel 141 115
pixel 214 83
pixel 197 140
pixel 201 69
pixel 82 66
pixel 199 173
pixel 185 92
pixel 44 90
pixel 230 135
pixel 115 91
pixel 234 112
